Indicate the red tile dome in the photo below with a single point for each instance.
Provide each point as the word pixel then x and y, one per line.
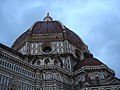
pixel 47 27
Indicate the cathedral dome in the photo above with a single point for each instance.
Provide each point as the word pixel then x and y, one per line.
pixel 47 31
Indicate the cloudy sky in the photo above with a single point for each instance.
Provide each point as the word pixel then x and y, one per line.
pixel 97 22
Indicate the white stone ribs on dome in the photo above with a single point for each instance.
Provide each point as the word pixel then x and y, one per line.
pixel 33 25
pixel 63 27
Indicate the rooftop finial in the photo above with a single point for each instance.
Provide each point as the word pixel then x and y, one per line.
pixel 47 14
pixel 47 18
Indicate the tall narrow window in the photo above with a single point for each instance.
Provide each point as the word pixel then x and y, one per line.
pixel 55 62
pixel 13 87
pixel 80 85
pixel 97 80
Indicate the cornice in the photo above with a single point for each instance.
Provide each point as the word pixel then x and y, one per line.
pixel 89 68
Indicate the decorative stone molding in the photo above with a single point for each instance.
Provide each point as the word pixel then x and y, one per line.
pixel 79 78
pixel 14 85
pixel 93 75
pixel 98 67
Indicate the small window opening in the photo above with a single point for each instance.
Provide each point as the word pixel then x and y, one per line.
pixel 47 49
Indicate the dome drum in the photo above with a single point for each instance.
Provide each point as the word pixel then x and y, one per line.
pixel 49 56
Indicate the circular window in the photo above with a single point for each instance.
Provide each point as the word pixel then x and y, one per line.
pixel 47 49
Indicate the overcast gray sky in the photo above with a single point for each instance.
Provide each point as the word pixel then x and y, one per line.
pixel 97 22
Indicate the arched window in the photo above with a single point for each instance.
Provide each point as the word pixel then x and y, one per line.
pixel 60 61
pixel 80 84
pixel 97 80
pixel 55 62
pixel 38 62
pixel 96 75
pixel 66 80
pixel 48 76
pixel 13 87
pixel 57 76
pixel 46 61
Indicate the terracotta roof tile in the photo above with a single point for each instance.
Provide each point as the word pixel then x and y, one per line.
pixel 87 62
